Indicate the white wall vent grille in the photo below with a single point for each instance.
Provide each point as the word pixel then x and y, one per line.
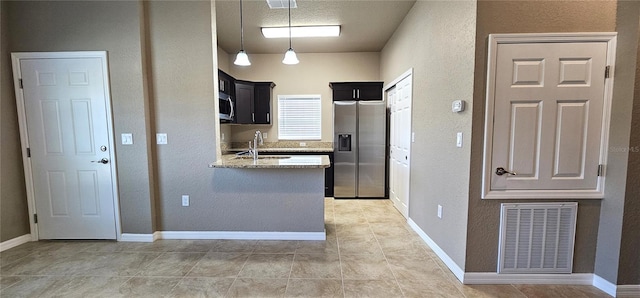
pixel 537 237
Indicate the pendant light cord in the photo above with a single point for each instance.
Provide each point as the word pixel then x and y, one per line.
pixel 289 24
pixel 241 29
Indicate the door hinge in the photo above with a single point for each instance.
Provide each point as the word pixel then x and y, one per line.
pixel 600 170
pixel 20 83
pixel 28 152
pixel 607 72
pixel 35 218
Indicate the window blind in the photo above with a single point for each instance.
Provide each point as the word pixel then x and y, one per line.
pixel 299 117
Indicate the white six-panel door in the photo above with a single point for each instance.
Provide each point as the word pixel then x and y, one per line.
pixel 68 136
pixel 548 114
pixel 400 144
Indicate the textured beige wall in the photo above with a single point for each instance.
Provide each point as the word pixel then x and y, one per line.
pixel 437 39
pixel 116 27
pixel 526 17
pixel 14 217
pixel 311 76
pixel 223 60
pixel 182 70
pixel 629 273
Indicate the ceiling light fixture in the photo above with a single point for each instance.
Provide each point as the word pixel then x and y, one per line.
pixel 301 31
pixel 290 55
pixel 242 59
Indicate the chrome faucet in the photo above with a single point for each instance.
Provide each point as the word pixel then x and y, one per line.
pixel 254 150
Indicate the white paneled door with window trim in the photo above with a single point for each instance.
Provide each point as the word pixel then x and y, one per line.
pixel 549 106
pixel 68 136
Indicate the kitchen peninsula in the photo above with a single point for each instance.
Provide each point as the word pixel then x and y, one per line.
pixel 278 197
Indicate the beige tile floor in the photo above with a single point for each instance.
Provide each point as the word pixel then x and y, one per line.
pixel 370 251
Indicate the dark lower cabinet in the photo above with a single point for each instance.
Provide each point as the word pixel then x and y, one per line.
pixel 328 172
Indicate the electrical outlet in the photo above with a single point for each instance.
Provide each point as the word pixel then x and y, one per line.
pixel 413 137
pixel 222 136
pixel 127 139
pixel 185 200
pixel 459 140
pixel 439 211
pixel 303 144
pixel 264 135
pixel 161 138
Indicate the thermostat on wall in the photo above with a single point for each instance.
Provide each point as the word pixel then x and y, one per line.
pixel 457 106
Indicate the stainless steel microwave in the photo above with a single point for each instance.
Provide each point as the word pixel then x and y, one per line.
pixel 226 107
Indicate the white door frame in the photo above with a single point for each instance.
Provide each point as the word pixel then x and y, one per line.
pixel 495 39
pixel 24 133
pixel 385 90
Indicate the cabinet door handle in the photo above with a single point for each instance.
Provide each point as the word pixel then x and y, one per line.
pixel 268 118
pixel 358 93
pixel 253 117
pixel 354 93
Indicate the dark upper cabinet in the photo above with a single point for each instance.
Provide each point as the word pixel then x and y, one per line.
pixel 356 90
pixel 262 102
pixel 244 102
pixel 226 83
pixel 253 102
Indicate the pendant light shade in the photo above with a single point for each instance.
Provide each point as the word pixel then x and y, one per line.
pixel 242 59
pixel 290 56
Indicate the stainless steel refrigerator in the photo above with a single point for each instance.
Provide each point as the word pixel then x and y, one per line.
pixel 359 149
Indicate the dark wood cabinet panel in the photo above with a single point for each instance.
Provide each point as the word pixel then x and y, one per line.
pixel 244 102
pixel 253 102
pixel 356 90
pixel 262 102
pixel 226 83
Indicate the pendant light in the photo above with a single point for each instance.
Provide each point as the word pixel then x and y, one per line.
pixel 290 55
pixel 242 59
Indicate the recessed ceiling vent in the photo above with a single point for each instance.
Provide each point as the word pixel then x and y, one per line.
pixel 277 4
pixel 537 237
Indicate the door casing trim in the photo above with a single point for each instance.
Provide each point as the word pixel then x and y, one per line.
pixel 24 134
pixel 494 40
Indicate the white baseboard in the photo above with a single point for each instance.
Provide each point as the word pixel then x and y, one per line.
pixel 242 235
pixel 457 271
pixel 629 291
pixel 127 237
pixel 545 279
pixel 11 243
pixel 604 285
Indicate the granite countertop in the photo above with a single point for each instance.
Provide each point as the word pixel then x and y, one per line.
pixel 273 162
pixel 292 150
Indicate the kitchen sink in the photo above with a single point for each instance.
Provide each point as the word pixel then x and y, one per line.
pixel 263 157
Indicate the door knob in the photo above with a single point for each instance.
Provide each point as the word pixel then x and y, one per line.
pixel 501 171
pixel 102 161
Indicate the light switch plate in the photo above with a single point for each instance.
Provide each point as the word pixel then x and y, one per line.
pixel 127 139
pixel 459 140
pixel 185 200
pixel 161 138
pixel 413 137
pixel 439 211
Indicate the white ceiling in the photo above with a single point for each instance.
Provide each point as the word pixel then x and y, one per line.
pixel 366 25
